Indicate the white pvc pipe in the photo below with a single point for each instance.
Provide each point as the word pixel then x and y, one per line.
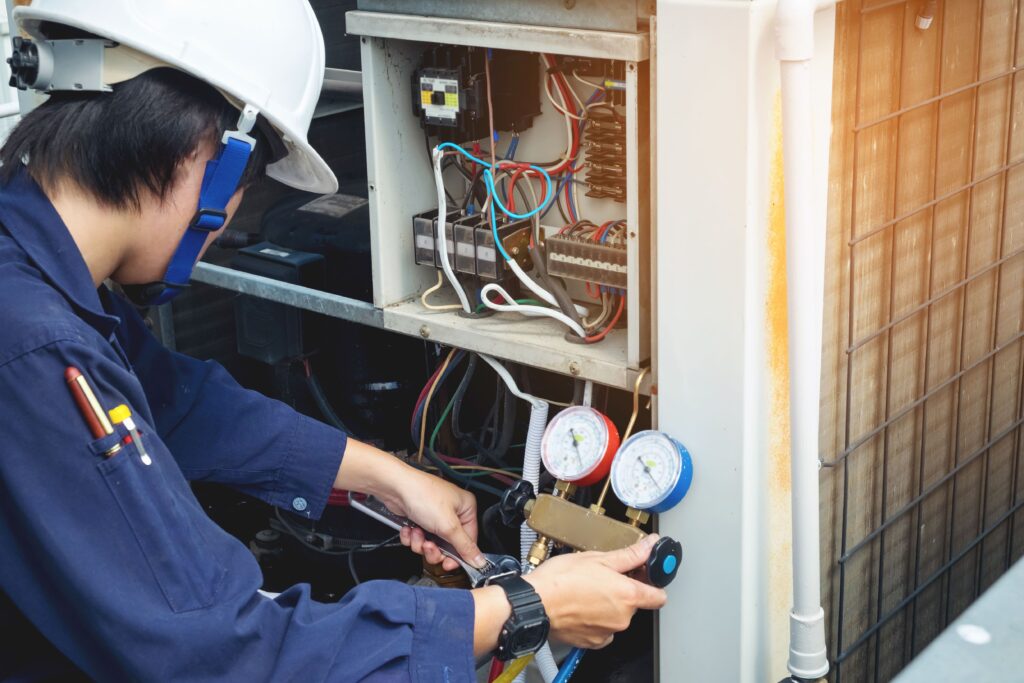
pixel 805 278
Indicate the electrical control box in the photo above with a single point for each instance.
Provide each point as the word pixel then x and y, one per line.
pixel 575 104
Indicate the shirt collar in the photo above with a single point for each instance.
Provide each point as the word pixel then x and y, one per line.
pixel 36 226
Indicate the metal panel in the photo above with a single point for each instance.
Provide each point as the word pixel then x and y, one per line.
pixel 598 15
pixel 627 47
pixel 721 364
pixel 531 341
pixel 286 293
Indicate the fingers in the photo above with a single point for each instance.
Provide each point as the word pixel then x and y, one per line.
pixel 464 545
pixel 603 644
pixel 630 557
pixel 647 596
pixel 467 514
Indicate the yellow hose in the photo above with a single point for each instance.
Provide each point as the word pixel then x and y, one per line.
pixel 513 669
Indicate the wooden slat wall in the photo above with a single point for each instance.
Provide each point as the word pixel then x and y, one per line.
pixel 924 341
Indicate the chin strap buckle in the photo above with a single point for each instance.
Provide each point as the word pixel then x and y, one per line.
pixel 220 182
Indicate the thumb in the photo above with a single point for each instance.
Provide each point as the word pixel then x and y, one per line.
pixel 466 546
pixel 632 556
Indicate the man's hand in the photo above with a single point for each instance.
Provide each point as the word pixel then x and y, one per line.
pixel 432 503
pixel 587 596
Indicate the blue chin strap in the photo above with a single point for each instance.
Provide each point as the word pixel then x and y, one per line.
pixel 220 182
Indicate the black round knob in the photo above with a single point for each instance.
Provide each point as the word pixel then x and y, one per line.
pixel 514 501
pixel 662 564
pixel 24 62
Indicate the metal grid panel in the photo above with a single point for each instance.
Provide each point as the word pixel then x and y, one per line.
pixel 923 408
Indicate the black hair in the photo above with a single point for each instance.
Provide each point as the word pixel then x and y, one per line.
pixel 120 146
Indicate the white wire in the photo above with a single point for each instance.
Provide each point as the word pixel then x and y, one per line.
pixel 568 132
pixel 442 238
pixel 527 309
pixel 584 81
pixel 551 99
pixel 511 383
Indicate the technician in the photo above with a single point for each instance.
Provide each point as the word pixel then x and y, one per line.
pixel 160 114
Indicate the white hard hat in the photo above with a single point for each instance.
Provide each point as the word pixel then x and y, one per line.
pixel 266 54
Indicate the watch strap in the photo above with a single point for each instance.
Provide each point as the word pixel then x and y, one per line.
pixel 527 612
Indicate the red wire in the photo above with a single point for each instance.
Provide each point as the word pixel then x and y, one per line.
pixel 497 666
pixel 604 333
pixel 423 396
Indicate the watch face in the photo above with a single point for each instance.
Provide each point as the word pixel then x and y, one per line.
pixel 529 636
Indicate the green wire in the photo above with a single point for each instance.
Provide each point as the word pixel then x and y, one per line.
pixel 437 430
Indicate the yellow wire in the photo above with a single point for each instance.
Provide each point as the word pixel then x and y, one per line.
pixel 435 307
pixel 513 669
pixel 426 405
pixel 629 429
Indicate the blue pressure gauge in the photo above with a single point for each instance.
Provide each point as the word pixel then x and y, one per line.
pixel 651 472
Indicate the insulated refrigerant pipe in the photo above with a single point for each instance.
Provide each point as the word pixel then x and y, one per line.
pixel 805 282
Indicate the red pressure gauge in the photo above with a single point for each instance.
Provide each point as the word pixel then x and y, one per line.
pixel 579 444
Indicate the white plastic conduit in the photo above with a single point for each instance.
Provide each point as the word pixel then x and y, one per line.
pixel 805 278
pixel 531 472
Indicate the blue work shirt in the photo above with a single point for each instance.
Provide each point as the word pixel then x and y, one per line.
pixel 110 569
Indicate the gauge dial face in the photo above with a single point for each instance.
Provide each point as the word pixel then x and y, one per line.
pixel 646 470
pixel 578 444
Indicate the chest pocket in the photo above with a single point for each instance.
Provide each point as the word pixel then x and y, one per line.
pixel 171 529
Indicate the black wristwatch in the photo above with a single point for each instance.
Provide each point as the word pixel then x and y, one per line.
pixel 527 629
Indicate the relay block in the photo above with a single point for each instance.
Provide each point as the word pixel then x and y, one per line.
pixel 450 91
pixel 470 244
pixel 583 259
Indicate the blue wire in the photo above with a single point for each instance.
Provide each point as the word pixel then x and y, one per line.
pixel 569 665
pixel 489 183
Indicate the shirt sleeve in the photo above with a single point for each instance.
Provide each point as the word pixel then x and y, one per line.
pixel 221 432
pixel 116 564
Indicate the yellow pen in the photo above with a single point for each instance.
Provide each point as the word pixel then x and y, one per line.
pixel 122 414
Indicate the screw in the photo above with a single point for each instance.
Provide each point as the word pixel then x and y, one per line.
pixel 425 332
pixel 515 251
pixel 574 368
pixel 569 4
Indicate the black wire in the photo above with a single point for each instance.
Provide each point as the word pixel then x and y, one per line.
pixel 300 534
pixel 460 393
pixel 323 405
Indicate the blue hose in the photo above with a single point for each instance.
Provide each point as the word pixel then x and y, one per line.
pixel 569 665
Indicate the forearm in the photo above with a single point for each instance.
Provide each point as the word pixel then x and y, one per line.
pixel 366 469
pixel 491 611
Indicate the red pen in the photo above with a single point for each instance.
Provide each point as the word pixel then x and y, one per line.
pixel 90 408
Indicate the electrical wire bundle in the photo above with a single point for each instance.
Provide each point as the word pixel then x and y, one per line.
pixel 492 441
pixel 554 301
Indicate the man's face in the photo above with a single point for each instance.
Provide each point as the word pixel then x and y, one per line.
pixel 161 224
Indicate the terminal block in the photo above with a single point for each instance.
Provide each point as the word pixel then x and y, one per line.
pixel 583 259
pixel 470 244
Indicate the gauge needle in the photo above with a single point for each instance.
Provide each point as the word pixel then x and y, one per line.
pixel 576 446
pixel 647 470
